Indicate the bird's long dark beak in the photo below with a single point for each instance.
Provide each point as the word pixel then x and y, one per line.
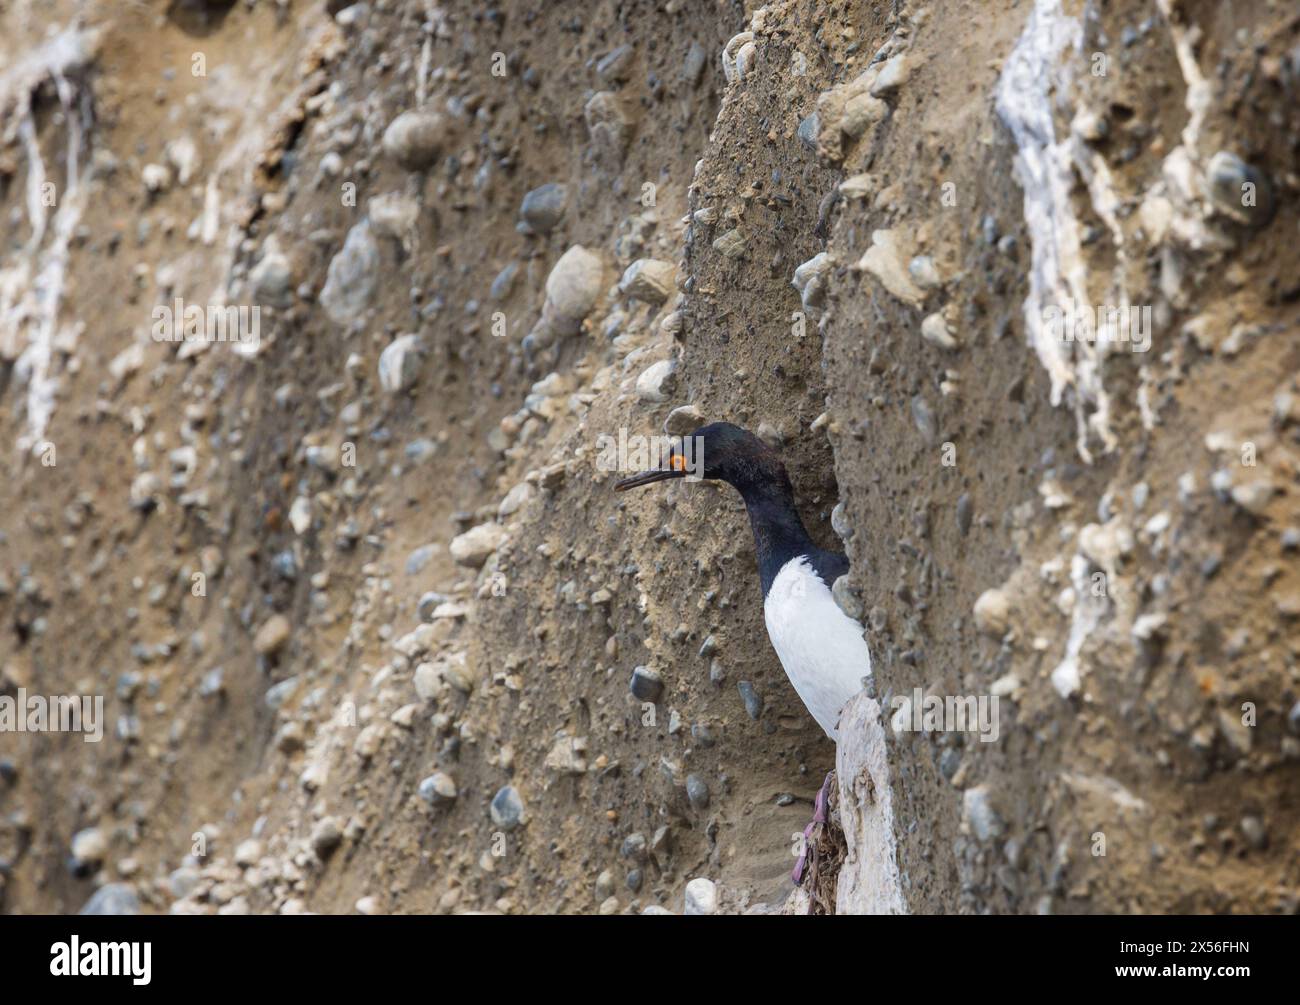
pixel 645 478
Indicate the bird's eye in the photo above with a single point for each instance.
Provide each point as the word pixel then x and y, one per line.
pixel 677 462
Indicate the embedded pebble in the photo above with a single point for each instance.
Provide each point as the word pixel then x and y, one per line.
pixel 277 694
pixel 862 112
pixel 1252 828
pixel 112 899
pixel 183 880
pixel 248 853
pixel 516 499
pixel 428 603
pixel 922 269
pixel 300 515
pixel 428 681
pixel 842 593
pixel 414 139
pixel 616 66
pixel 572 289
pixel 701 897
pixel 567 756
pixel 420 557
pixel 923 416
pixel 183 155
pixel 290 738
pixel 272 636
pixel 472 548
pixel 504 283
pixel 368 742
pixel 400 362
pixel 658 381
pixel 507 809
pixel 809 130
pixel 649 280
pixel 810 280
pixel 213 683
pixel 738 56
pixel 351 277
pixel 857 186
pixel 993 612
pixel 394 215
pixel 1238 190
pixel 732 244
pixel 965 513
pixel 646 685
pixel 935 330
pixel 438 789
pixel 894 74
pixel 1254 496
pixel 692 68
pixel 770 435
pixel 979 815
pixel 156 178
pixel 697 792
pixel 326 837
pixel 608 128
pixel 543 208
pixel 89 847
pixel 884 261
pixel 272 279
pixel 144 491
pixel 840 522
pixel 682 420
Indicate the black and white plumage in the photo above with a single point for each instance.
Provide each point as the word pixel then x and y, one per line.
pixel 820 647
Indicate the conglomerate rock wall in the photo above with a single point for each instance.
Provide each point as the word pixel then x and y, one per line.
pixel 361 607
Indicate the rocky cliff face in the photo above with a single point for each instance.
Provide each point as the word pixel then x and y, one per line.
pixel 373 633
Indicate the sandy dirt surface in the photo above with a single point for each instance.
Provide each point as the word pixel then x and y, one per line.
pixel 359 600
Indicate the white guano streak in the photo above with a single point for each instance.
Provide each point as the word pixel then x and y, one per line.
pixel 1044 166
pixel 31 288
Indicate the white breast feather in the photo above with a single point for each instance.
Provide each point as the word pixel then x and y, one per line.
pixel 820 647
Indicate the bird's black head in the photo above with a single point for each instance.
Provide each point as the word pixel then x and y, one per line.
pixel 717 451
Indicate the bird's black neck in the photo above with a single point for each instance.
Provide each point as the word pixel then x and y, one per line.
pixel 779 534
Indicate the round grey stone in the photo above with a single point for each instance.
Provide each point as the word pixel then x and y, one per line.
pixel 543 207
pixel 647 685
pixel 507 809
pixel 414 139
pixel 697 791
